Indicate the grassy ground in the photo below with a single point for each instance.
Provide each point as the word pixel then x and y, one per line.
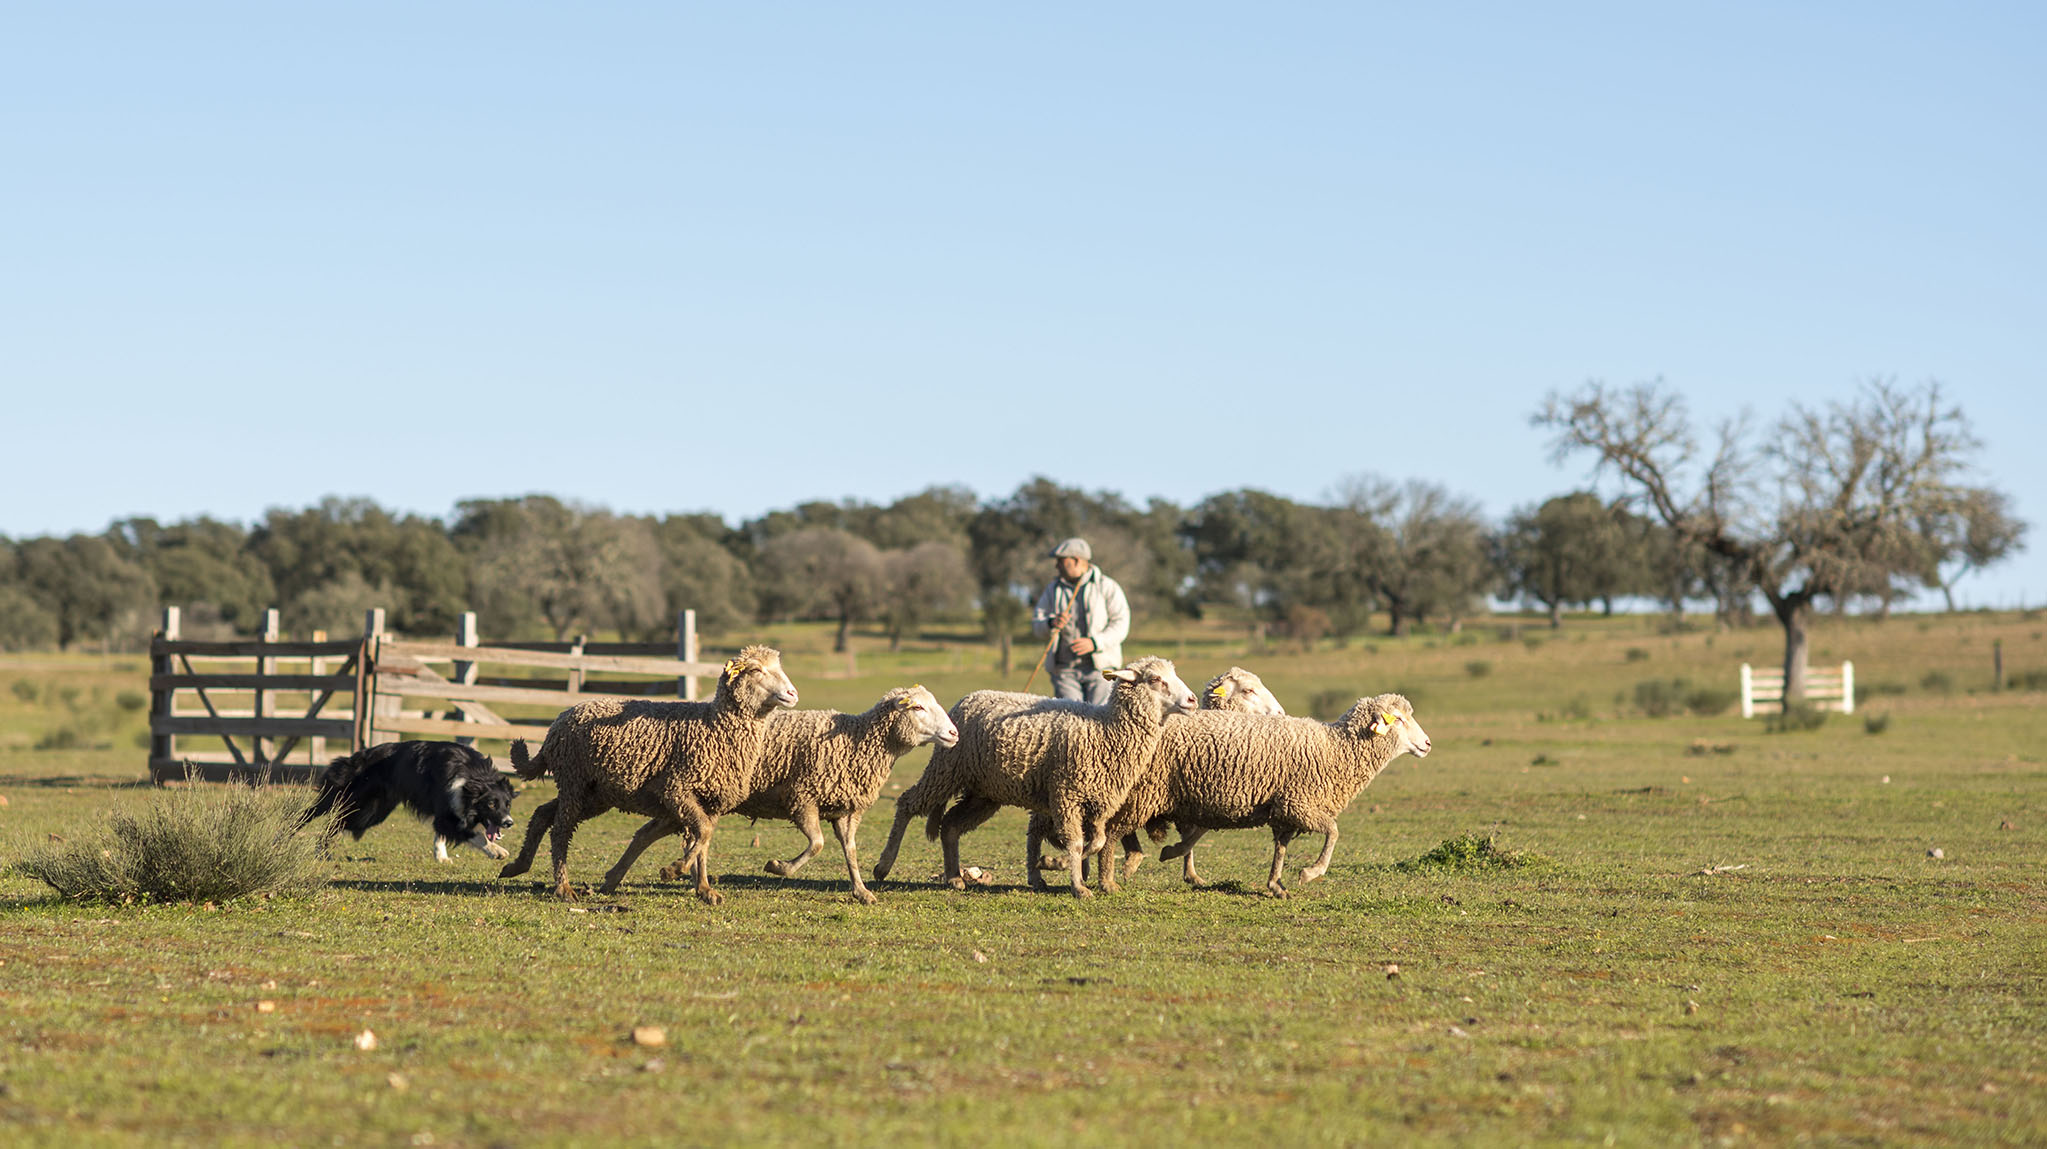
pixel 1829 980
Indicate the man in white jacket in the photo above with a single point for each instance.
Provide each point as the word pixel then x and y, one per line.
pixel 1091 637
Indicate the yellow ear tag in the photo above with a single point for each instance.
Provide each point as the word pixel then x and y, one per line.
pixel 731 667
pixel 1380 725
pixel 1216 692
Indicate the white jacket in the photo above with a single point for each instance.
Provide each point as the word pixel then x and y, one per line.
pixel 1104 614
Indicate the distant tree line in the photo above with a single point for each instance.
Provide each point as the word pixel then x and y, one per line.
pixel 1380 552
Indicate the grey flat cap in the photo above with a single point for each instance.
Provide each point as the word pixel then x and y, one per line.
pixel 1074 548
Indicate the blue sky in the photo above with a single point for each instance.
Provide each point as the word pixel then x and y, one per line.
pixel 691 257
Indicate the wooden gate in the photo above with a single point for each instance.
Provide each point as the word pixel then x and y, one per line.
pixel 276 707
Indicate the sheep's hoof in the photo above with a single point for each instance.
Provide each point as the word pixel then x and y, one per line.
pixel 1311 874
pixel 1275 890
pixel 1131 863
pixel 777 867
pixel 514 869
pixel 565 892
pixel 1168 853
pixel 1051 861
pixel 865 897
pixel 673 872
pixel 1083 892
pixel 710 896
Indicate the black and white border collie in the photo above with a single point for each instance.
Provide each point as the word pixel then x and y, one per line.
pixel 454 786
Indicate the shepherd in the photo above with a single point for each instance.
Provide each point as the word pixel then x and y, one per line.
pixel 1084 617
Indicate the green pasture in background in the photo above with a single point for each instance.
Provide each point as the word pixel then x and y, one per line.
pixel 1731 937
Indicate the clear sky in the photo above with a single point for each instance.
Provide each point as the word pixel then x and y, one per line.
pixel 731 257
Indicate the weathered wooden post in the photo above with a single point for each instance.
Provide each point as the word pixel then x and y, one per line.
pixel 316 746
pixel 465 672
pixel 1847 688
pixel 163 745
pixel 1997 664
pixel 576 672
pixel 686 650
pixel 266 703
pixel 380 705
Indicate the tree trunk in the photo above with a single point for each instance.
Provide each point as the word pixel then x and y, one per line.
pixel 1004 640
pixel 1556 613
pixel 845 632
pixel 1796 616
pixel 1607 601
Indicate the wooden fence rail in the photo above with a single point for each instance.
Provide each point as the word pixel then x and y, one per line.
pixel 378 674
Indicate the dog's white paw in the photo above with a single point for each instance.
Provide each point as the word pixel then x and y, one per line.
pixel 495 850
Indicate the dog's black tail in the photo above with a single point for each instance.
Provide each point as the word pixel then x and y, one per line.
pixel 334 782
pixel 525 767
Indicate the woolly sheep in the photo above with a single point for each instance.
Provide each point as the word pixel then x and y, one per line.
pixel 685 762
pixel 1073 760
pixel 822 762
pixel 1237 690
pixel 1296 775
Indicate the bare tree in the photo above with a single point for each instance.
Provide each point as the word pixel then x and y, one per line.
pixel 922 582
pixel 1832 502
pixel 1426 553
pixel 1977 530
pixel 820 572
pixel 576 567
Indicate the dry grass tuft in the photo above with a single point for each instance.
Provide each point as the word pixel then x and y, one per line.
pixel 196 843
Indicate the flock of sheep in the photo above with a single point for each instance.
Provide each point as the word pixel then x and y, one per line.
pixel 1152 759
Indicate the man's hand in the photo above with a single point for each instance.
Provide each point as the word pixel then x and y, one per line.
pixel 1082 645
pixel 1059 621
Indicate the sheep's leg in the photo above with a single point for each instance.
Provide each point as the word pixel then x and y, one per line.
pixel 969 813
pixel 1321 865
pixel 1133 854
pixel 566 816
pixel 847 827
pixel 536 828
pixel 1189 835
pixel 699 826
pixel 1281 835
pixel 1072 828
pixel 887 861
pixel 1034 861
pixel 655 830
pixel 806 821
pixel 1105 864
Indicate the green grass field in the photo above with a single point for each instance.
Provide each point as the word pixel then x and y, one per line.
pixel 1736 937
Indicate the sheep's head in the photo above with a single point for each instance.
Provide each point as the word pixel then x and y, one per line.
pixel 1389 716
pixel 1242 691
pixel 755 683
pixel 917 719
pixel 1156 675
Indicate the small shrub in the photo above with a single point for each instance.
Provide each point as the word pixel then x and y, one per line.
pixel 131 700
pixel 1413 694
pixel 69 737
pixel 1796 719
pixel 1937 682
pixel 1637 654
pixel 1330 705
pixel 1875 723
pixel 1508 633
pixel 1465 638
pixel 2035 679
pixel 1700 748
pixel 1708 701
pixel 1864 691
pixel 1545 760
pixel 1533 641
pixel 1660 697
pixel 68 695
pixel 1470 852
pixel 192 844
pixel 1478 668
pixel 25 689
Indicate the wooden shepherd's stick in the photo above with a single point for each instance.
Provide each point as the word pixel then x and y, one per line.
pixel 1047 652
